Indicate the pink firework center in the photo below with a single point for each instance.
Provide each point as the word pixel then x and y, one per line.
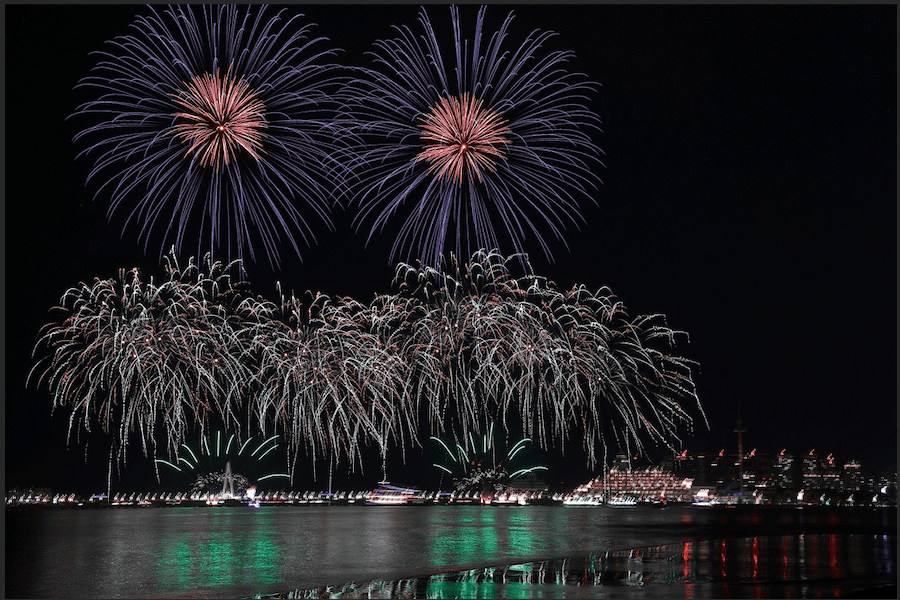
pixel 222 116
pixel 465 139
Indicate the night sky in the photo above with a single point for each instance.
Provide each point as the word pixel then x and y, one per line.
pixel 749 193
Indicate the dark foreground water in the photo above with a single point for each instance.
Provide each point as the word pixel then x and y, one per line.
pixel 449 551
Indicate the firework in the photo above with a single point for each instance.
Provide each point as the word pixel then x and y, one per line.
pixel 476 468
pixel 331 383
pixel 449 351
pixel 216 124
pixel 503 146
pixel 207 463
pixel 512 349
pixel 134 356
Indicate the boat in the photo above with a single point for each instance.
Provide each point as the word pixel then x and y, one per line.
pixel 514 499
pixel 620 501
pixel 392 495
pixel 703 498
pixel 583 501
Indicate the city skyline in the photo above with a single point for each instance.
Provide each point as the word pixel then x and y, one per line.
pixel 749 194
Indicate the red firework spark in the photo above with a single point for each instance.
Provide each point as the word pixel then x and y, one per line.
pixel 466 138
pixel 222 116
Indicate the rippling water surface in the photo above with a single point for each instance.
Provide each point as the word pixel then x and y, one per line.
pixel 447 551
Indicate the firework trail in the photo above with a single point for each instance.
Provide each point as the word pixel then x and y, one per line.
pixel 447 352
pixel 134 356
pixel 517 350
pixel 330 382
pixel 219 124
pixel 503 147
pixel 475 466
pixel 206 463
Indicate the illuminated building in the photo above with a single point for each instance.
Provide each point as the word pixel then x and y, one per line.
pixel 784 470
pixel 852 478
pixel 886 481
pixel 811 471
pixel 694 466
pixel 740 453
pixel 831 474
pixel 758 472
pixel 780 476
pixel 723 472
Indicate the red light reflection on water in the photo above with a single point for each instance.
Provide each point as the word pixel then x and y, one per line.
pixel 834 563
pixel 723 558
pixel 785 548
pixel 754 553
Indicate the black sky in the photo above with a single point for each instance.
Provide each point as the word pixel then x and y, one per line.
pixel 749 194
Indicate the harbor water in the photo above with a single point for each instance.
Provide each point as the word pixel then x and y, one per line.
pixel 449 551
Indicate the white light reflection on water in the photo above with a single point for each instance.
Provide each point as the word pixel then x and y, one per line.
pixel 235 552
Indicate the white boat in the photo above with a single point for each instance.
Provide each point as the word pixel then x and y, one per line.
pixel 583 501
pixel 391 495
pixel 622 502
pixel 704 502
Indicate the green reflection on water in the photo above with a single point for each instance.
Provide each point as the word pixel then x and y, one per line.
pixel 228 553
pixel 481 535
pixel 439 589
pixel 461 589
pixel 521 537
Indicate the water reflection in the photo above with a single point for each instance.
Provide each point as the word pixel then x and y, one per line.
pixel 235 552
pixel 757 567
pixel 480 534
pixel 219 549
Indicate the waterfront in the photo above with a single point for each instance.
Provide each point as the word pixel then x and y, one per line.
pixel 787 566
pixel 243 552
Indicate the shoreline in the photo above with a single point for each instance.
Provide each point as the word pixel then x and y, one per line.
pixel 317 501
pixel 665 570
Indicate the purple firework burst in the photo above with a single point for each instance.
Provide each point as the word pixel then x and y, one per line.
pixel 502 147
pixel 219 124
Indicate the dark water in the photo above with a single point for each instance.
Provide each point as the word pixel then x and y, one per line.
pixel 789 566
pixel 477 551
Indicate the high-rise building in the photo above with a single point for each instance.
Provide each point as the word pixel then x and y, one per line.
pixel 885 481
pixel 811 471
pixel 782 475
pixel 784 470
pixel 758 472
pixel 694 466
pixel 724 472
pixel 831 474
pixel 852 478
pixel 740 429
